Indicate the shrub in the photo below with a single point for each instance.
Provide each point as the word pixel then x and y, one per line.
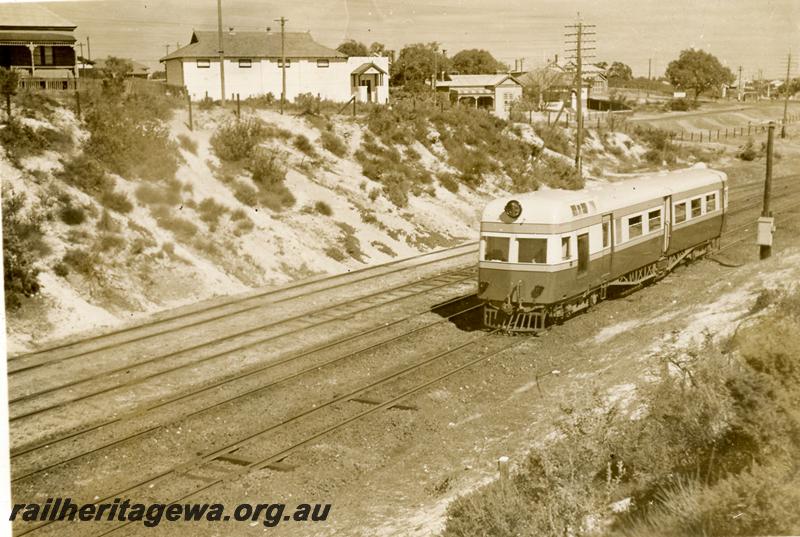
pixel 110 241
pixel 149 194
pixel 86 174
pixel 236 140
pixel 680 105
pixel 116 201
pixel 333 143
pixel 73 216
pixel 267 167
pixel 323 208
pixel 748 151
pixel 302 143
pixel 277 197
pixel 21 140
pixel 245 193
pixel 82 261
pixel 210 212
pixel 60 269
pixel 554 138
pixel 20 276
pixel 448 181
pixel 187 143
pixel 180 227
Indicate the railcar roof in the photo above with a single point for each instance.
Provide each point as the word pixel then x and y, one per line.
pixel 555 206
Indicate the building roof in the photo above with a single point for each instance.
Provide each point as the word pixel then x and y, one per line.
pixel 253 45
pixel 554 206
pixel 476 80
pixel 138 68
pixel 9 37
pixel 28 16
pixel 364 67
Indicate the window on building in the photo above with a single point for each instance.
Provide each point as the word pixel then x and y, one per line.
pixel 288 63
pixel 508 97
pixel 697 207
pixel 47 56
pixel 497 248
pixel 566 249
pixel 245 63
pixel 323 63
pixel 654 220
pixel 679 213
pixel 711 202
pixel 606 234
pixel 203 64
pixel 634 226
pixel 532 250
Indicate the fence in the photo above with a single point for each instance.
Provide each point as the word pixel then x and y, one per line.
pixel 712 135
pixel 47 84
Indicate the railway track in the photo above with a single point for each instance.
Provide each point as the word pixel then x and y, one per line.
pixel 231 306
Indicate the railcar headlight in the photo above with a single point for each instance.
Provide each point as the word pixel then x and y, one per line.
pixel 513 209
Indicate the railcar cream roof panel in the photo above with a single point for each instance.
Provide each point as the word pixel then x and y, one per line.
pixel 555 206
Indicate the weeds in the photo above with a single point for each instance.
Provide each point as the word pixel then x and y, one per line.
pixel 20 230
pixel 302 143
pixel 333 143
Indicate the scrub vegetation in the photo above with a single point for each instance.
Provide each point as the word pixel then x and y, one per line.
pixel 712 449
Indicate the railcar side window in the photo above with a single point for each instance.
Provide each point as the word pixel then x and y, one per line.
pixel 697 207
pixel 680 212
pixel 711 202
pixel 634 226
pixel 566 251
pixel 606 234
pixel 654 220
pixel 497 248
pixel 532 250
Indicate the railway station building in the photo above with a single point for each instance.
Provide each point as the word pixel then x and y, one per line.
pixel 253 67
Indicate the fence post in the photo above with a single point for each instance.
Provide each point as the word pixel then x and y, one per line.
pixel 189 102
pixel 354 105
pixel 502 467
pixel 77 101
pixel 238 107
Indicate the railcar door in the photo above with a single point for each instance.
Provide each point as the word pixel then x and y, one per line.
pixel 667 223
pixel 608 246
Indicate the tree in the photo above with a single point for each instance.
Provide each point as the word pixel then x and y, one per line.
pixel 699 71
pixel 9 79
pixel 113 73
pixel 351 47
pixel 377 49
pixel 538 82
pixel 415 64
pixel 619 72
pixel 475 62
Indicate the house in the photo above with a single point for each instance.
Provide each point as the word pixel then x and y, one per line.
pixel 138 70
pixel 558 83
pixel 494 93
pixel 38 43
pixel 253 67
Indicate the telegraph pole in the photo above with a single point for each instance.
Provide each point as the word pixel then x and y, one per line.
pixel 739 96
pixel 221 53
pixel 766 222
pixel 786 98
pixel 88 48
pixel 435 67
pixel 283 21
pixel 579 35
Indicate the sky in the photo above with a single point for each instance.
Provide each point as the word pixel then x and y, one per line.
pixel 756 34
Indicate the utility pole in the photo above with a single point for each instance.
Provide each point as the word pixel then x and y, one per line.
pixel 283 21
pixel 435 67
pixel 221 53
pixel 88 48
pixel 649 75
pixel 766 222
pixel 739 89
pixel 786 98
pixel 579 49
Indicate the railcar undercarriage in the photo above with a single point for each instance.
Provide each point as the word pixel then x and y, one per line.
pixel 518 317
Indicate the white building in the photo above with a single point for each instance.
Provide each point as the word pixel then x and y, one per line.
pixel 253 68
pixel 494 93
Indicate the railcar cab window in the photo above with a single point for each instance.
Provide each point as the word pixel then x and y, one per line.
pixel 203 64
pixel 532 250
pixel 634 226
pixel 711 202
pixel 497 248
pixel 566 248
pixel 653 220
pixel 680 212
pixel 697 207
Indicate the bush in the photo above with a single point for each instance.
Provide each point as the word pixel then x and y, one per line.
pixel 554 138
pixel 236 140
pixel 323 208
pixel 86 174
pixel 210 212
pixel 73 216
pixel 180 227
pixel 302 143
pixel 148 194
pixel 20 276
pixel 21 140
pixel 680 105
pixel 187 143
pixel 748 151
pixel 448 181
pixel 331 142
pixel 116 201
pixel 60 269
pixel 267 167
pixel 245 193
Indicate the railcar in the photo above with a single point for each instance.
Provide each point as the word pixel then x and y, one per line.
pixel 549 254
